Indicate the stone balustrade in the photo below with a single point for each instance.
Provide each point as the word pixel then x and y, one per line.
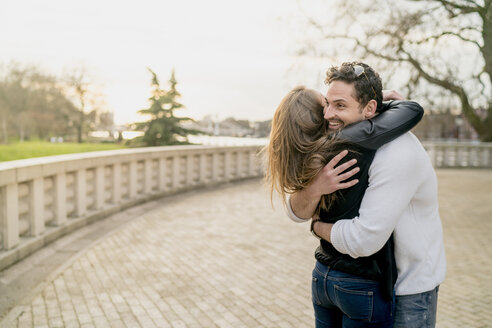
pixel 42 199
pixel 445 154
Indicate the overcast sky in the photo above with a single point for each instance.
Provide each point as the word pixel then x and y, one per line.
pixel 232 58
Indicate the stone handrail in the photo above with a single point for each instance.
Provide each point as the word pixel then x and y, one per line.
pixel 456 154
pixel 44 198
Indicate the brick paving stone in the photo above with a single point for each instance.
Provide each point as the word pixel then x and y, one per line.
pixel 56 322
pixel 72 324
pixel 226 258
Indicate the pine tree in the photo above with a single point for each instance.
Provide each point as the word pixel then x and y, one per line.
pixel 164 128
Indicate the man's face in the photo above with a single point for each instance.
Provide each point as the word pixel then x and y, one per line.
pixel 340 106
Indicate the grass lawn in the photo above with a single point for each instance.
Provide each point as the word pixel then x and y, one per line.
pixel 31 149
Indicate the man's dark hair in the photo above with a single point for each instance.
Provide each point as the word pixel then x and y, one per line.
pixel 365 88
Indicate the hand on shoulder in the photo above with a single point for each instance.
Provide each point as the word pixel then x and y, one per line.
pixel 392 95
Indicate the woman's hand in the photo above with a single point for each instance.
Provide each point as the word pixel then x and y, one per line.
pixel 330 178
pixel 392 95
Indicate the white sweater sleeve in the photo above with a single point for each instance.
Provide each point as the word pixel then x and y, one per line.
pixel 291 214
pixel 392 184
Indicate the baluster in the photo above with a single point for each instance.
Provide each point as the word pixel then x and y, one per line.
pixel 99 192
pixel 227 165
pixel 10 216
pixel 148 176
pixel 189 170
pixel 36 213
pixel 176 172
pixel 253 169
pixel 239 164
pixel 80 193
pixel 116 187
pixel 132 179
pixel 60 199
pixel 431 150
pixel 162 174
pixel 215 166
pixel 203 168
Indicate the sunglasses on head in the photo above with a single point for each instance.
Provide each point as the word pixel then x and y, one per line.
pixel 359 70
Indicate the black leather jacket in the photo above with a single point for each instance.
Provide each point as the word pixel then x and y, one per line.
pixel 366 137
pixel 396 118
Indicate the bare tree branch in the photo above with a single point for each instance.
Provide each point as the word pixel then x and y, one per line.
pixel 437 36
pixel 459 91
pixel 453 5
pixel 453 33
pixel 407 36
pixel 446 84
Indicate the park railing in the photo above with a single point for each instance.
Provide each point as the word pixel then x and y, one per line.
pixel 456 154
pixel 42 199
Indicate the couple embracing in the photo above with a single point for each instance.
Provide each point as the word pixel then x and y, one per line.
pixel 346 162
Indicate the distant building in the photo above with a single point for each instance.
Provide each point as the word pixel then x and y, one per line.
pixel 262 129
pixel 444 126
pixel 231 127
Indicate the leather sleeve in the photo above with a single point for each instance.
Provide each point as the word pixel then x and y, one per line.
pixel 397 117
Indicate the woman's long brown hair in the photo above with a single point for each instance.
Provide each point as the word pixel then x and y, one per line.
pixel 300 145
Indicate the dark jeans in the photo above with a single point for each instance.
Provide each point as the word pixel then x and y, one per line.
pixel 417 310
pixel 344 300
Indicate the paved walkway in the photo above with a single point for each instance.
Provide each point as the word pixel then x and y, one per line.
pixel 225 258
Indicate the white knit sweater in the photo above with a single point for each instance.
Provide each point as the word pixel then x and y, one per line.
pixel 401 198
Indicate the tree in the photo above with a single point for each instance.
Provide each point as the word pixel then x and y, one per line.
pixel 48 111
pixel 441 49
pixel 4 112
pixel 15 95
pixel 33 103
pixel 164 128
pixel 82 92
pixel 105 122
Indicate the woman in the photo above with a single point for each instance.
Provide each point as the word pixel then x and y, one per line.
pixel 300 146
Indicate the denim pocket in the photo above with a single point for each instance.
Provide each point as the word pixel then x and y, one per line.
pixel 417 310
pixel 314 291
pixel 356 304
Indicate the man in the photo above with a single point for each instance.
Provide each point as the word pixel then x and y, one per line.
pixel 401 198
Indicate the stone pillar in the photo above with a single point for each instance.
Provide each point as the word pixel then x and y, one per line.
pixel 10 216
pixel 431 150
pixel 148 176
pixel 176 172
pixel 189 170
pixel 463 156
pixel 453 156
pixel 227 165
pixel 116 185
pixel 162 174
pixel 60 199
pixel 203 168
pixel 215 166
pixel 99 185
pixel 485 157
pixel 253 168
pixel 80 192
pixel 239 167
pixel 132 179
pixel 36 210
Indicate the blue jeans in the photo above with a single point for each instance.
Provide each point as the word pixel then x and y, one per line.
pixel 344 300
pixel 417 310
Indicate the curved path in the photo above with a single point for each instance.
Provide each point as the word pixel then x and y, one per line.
pixel 224 258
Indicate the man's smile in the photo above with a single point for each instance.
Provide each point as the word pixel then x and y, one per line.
pixel 335 124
